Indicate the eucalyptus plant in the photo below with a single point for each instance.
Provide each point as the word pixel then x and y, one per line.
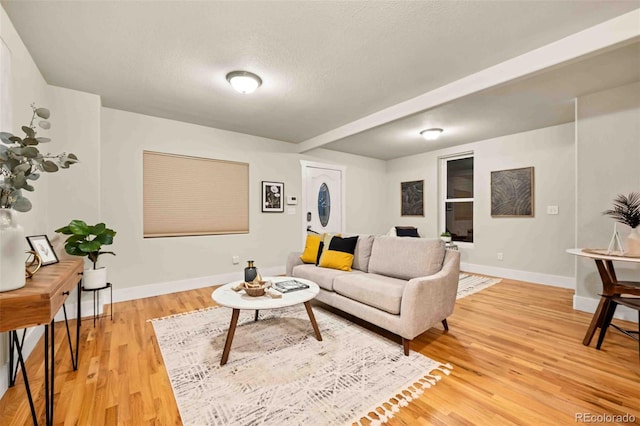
pixel 21 162
pixel 626 209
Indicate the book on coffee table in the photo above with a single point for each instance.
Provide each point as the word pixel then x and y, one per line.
pixel 289 285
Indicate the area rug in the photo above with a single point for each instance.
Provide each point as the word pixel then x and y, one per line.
pixel 279 374
pixel 469 284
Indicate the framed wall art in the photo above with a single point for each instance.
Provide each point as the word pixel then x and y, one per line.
pixel 512 193
pixel 412 198
pixel 272 197
pixel 41 245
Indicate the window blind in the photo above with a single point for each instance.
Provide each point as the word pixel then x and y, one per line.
pixel 194 196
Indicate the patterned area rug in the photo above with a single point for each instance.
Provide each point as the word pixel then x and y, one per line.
pixel 469 284
pixel 279 374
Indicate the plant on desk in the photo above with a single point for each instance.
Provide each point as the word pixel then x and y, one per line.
pixel 626 210
pixel 86 240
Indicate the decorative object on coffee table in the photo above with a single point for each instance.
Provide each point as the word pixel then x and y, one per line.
pixel 250 272
pixel 446 236
pixel 272 197
pixel 512 193
pixel 626 210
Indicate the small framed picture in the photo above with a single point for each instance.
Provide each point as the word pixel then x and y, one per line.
pixel 41 245
pixel 272 196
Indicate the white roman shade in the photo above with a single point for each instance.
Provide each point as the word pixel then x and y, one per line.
pixel 194 196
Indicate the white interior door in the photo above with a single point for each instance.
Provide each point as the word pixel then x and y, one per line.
pixel 322 198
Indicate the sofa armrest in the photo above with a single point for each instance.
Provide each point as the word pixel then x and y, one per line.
pixel 293 260
pixel 429 300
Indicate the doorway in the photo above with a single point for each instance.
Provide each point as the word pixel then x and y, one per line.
pixel 322 198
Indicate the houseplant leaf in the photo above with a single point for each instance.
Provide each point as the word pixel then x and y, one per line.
pixel 43 113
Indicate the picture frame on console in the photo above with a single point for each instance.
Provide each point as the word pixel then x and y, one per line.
pixel 42 246
pixel 272 197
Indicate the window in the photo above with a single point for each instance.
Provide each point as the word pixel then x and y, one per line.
pixel 457 202
pixel 194 196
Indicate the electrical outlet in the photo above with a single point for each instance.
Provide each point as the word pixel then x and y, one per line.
pixel 552 209
pixel 235 260
pixel 500 256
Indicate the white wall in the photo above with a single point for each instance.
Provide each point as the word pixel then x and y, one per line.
pixel 27 86
pixel 74 193
pixel 535 246
pixel 272 236
pixel 608 164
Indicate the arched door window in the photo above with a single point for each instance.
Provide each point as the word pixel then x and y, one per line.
pixel 324 204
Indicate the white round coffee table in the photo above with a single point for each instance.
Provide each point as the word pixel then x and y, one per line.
pixel 236 300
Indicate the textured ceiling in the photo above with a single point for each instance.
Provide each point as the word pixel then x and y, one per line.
pixel 323 64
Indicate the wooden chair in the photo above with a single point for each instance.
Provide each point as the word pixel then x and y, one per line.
pixel 614 301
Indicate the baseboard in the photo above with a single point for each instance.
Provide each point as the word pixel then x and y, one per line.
pixel 588 304
pixel 514 274
pixel 150 290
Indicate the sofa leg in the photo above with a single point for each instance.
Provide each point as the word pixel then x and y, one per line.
pixel 445 325
pixel 405 345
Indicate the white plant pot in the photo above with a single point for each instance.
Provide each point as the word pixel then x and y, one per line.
pixel 633 243
pixel 94 278
pixel 446 239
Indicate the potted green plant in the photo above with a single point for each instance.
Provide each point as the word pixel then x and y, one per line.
pixel 626 210
pixel 87 240
pixel 446 237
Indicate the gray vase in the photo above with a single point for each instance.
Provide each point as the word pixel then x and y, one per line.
pixel 250 272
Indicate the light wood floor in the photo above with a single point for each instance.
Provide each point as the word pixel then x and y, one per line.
pixel 515 347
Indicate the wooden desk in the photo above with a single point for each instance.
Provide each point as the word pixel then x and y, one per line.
pixel 37 304
pixel 610 286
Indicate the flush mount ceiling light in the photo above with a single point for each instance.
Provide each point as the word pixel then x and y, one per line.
pixel 431 134
pixel 244 81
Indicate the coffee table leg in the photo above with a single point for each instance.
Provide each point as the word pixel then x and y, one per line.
pixel 230 333
pixel 313 320
pixel 256 318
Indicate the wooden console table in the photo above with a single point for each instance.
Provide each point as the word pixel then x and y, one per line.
pixel 610 285
pixel 37 304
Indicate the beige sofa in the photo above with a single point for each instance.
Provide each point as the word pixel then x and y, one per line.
pixel 404 285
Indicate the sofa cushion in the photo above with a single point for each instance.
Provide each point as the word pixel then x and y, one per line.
pixel 322 276
pixel 311 247
pixel 362 253
pixel 381 292
pixel 339 253
pixel 407 231
pixel 406 258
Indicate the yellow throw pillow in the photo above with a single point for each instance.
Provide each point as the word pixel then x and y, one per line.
pixel 336 260
pixel 311 247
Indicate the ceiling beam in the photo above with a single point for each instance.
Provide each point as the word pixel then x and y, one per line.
pixel 622 29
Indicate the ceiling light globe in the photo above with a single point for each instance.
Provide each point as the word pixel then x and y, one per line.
pixel 431 134
pixel 244 81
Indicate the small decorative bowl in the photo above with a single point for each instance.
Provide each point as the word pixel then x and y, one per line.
pixel 255 290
